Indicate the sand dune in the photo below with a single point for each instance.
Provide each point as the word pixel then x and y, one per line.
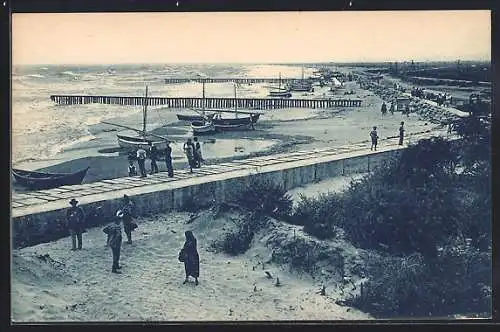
pixel 150 288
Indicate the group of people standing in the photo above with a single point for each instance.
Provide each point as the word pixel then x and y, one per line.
pixel 154 155
pixel 126 215
pixel 192 150
pixel 374 136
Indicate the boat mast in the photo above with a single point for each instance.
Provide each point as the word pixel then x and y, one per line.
pixel 144 113
pixel 279 82
pixel 203 111
pixel 235 102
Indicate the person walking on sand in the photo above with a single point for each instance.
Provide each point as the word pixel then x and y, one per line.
pixel 374 137
pixel 168 160
pixel 197 152
pixel 383 109
pixel 141 160
pixel 391 109
pixel 129 213
pixel 189 151
pixel 75 217
pixel 401 133
pixel 153 155
pixel 114 232
pixel 189 255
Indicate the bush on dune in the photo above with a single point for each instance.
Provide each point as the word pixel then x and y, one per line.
pixel 266 198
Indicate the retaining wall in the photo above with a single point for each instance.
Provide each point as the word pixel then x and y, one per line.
pixel 49 222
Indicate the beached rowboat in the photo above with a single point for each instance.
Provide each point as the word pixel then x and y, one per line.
pixel 42 180
pixel 133 142
pixel 192 117
pixel 202 127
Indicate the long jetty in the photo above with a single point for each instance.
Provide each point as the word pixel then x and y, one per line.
pixel 239 80
pixel 189 102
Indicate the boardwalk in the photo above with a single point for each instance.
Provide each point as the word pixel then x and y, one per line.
pixel 188 102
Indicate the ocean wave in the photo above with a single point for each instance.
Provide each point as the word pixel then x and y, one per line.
pixel 69 73
pixel 59 148
pixel 35 75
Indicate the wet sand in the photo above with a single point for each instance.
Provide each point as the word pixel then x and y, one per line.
pixel 280 130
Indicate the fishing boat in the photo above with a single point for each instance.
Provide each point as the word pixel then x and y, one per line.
pixel 237 123
pixel 144 138
pixel 205 126
pixel 280 92
pixel 192 117
pixel 43 180
pixel 301 85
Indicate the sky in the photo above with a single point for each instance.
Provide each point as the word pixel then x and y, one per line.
pixel 250 37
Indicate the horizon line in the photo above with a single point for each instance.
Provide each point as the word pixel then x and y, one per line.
pixel 258 63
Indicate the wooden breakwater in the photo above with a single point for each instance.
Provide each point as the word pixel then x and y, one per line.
pixel 239 80
pixel 188 102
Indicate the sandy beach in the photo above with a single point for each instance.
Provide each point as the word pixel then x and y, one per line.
pixel 78 286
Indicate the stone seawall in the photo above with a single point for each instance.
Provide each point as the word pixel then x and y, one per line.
pixel 46 222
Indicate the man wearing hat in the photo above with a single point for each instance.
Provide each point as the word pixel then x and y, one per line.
pixel 128 210
pixel 114 232
pixel 75 217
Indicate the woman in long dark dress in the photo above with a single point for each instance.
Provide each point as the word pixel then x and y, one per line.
pixel 191 258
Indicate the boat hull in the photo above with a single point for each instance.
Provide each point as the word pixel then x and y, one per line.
pixel 242 123
pixel 202 128
pixel 130 142
pixel 280 94
pixel 192 117
pixel 42 180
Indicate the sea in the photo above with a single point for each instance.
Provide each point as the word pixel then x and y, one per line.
pixel 41 129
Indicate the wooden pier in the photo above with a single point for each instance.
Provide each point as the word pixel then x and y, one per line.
pixel 188 102
pixel 239 80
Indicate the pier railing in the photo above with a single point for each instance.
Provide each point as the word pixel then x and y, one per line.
pixel 188 102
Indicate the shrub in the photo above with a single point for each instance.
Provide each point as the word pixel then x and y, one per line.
pixel 319 216
pixel 457 281
pixel 266 198
pixel 238 240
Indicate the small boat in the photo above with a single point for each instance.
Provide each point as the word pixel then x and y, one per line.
pixel 280 92
pixel 192 117
pixel 205 126
pixel 237 123
pixel 301 85
pixel 144 138
pixel 202 127
pixel 131 142
pixel 43 180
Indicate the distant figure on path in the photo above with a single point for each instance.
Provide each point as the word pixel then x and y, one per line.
pixel 407 110
pixel 197 152
pixel 141 160
pixel 391 109
pixel 383 109
pixel 168 160
pixel 374 137
pixel 189 255
pixel 450 127
pixel 129 213
pixel 114 232
pixel 75 217
pixel 153 155
pixel 132 171
pixel 189 151
pixel 401 133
